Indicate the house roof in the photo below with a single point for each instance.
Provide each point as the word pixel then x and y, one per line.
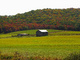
pixel 43 30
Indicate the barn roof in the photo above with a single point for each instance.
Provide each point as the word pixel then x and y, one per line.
pixel 43 30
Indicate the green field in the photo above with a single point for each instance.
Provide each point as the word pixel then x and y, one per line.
pixel 31 32
pixel 57 44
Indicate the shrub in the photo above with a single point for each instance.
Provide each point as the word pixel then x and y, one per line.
pixel 73 56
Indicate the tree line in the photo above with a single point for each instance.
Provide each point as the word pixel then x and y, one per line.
pixel 63 19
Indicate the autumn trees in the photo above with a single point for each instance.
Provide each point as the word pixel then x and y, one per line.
pixel 64 19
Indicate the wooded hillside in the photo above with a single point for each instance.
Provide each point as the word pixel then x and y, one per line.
pixel 64 19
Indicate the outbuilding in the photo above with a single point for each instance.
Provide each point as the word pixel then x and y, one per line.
pixel 41 33
pixel 22 34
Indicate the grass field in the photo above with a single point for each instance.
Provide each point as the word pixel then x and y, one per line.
pixel 58 44
pixel 31 32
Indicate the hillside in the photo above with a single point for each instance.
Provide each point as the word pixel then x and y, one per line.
pixel 64 19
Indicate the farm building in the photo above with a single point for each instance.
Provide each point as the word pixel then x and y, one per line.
pixel 22 34
pixel 41 33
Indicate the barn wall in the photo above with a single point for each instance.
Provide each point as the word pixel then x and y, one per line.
pixel 38 33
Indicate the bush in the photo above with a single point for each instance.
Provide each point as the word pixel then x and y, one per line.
pixel 73 56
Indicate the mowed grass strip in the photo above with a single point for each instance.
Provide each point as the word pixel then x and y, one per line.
pixel 65 33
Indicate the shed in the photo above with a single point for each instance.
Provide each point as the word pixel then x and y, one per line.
pixel 22 34
pixel 41 33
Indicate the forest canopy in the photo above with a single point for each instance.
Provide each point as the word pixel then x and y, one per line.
pixel 63 19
